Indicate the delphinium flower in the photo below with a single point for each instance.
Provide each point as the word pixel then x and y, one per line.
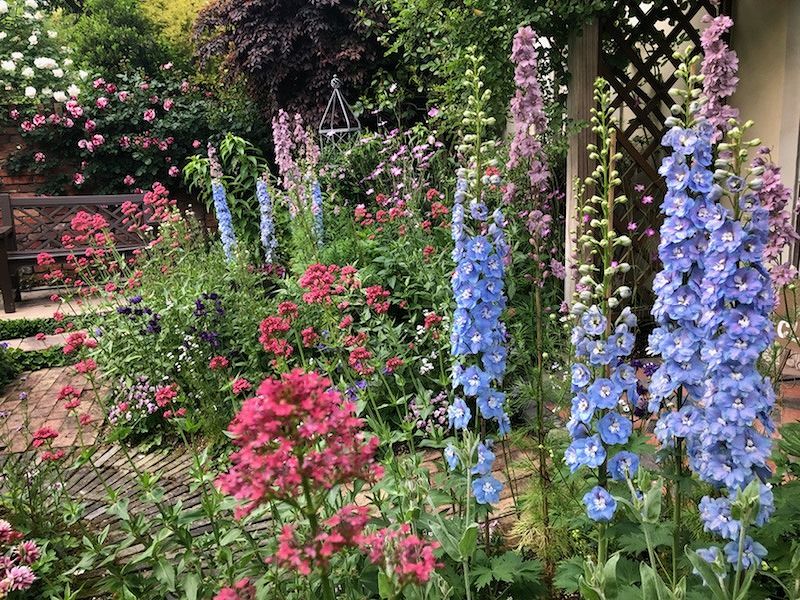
pixel 478 333
pixel 223 212
pixel 267 222
pixel 713 306
pixel 527 110
pixel 775 198
pixel 720 75
pixel 316 212
pixel 603 380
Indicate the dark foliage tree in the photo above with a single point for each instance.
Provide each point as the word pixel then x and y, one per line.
pixel 288 50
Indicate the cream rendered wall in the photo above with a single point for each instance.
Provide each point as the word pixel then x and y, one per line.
pixel 765 38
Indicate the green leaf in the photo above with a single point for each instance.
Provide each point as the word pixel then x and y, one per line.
pixel 468 542
pixel 707 574
pixel 190 585
pixel 652 584
pixel 165 573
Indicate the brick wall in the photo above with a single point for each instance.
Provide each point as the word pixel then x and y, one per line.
pixel 17 184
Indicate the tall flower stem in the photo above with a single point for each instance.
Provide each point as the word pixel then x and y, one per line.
pixel 677 500
pixel 311 514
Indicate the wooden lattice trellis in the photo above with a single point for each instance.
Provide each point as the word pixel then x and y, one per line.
pixel 632 48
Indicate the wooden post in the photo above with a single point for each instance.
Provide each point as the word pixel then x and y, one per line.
pixel 582 62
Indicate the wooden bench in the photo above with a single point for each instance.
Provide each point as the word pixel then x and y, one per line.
pixel 34 224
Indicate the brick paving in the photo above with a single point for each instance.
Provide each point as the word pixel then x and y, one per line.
pixel 31 402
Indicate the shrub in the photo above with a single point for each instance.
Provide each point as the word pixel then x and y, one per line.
pixel 114 36
pixel 35 65
pixel 288 50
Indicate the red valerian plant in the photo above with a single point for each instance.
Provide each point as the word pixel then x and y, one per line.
pixel 405 558
pixel 298 439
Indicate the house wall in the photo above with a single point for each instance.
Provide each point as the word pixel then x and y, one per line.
pixel 765 38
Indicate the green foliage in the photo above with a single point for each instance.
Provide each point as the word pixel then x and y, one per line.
pixel 429 40
pixel 14 361
pixel 242 165
pixel 116 36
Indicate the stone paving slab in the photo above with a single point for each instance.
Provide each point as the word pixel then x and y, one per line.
pixel 31 402
pixel 29 344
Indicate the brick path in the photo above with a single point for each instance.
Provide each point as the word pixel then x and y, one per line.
pixel 33 397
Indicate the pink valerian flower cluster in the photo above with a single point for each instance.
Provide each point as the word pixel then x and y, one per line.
pixel 323 282
pixel 776 198
pixel 241 590
pixel 527 110
pixel 297 433
pixel 156 207
pixel 343 530
pixel 16 557
pixel 405 558
pixel 719 69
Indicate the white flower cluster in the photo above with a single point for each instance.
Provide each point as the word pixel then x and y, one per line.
pixel 34 67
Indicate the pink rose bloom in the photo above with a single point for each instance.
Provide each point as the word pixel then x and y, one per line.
pixel 14 114
pixel 149 115
pixel 89 125
pixel 39 157
pixel 39 120
pixel 74 109
pixel 78 178
pixel 168 104
pixel 123 96
pixel 196 144
pixel 162 146
pixel 98 83
pixel 101 102
pixel 184 86
pixel 98 140
pixel 125 141
pixel 27 126
pixel 111 88
pixel 129 180
pixel 173 171
pixel 69 123
pixel 144 86
pixel 166 66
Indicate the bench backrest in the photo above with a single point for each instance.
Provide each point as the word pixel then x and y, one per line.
pixel 38 222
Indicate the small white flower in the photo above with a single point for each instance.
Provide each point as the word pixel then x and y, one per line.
pixel 27 72
pixel 83 74
pixel 52 34
pixel 73 90
pixel 30 92
pixel 31 4
pixel 16 55
pixel 60 96
pixel 58 73
pixel 68 62
pixel 47 91
pixel 3 7
pixel 8 65
pixel 33 40
pixel 3 34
